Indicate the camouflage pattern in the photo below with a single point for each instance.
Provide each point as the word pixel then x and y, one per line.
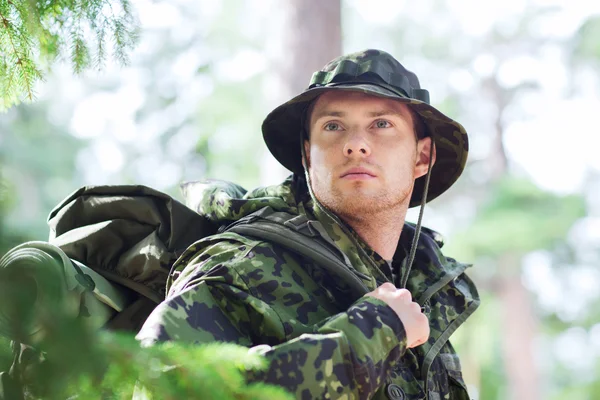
pixel 363 71
pixel 322 339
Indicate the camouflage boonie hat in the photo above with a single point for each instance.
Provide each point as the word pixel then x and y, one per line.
pixel 377 73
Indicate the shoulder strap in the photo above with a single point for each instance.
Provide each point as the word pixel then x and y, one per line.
pixel 302 236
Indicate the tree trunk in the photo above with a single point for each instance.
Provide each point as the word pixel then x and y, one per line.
pixel 518 318
pixel 518 338
pixel 314 37
pixel 310 38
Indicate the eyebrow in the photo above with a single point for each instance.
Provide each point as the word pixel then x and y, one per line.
pixel 373 114
pixel 384 112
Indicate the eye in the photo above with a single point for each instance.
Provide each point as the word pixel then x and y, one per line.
pixel 382 124
pixel 332 126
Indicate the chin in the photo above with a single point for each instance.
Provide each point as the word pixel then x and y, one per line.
pixel 355 205
pixel 360 201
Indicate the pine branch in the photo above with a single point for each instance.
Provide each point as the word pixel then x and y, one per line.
pixel 100 48
pixel 107 365
pixel 36 32
pixel 14 51
pixel 67 357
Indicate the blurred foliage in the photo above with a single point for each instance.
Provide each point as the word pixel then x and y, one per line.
pixel 586 45
pixel 38 169
pixel 107 365
pixel 518 217
pixel 34 33
pixel 8 238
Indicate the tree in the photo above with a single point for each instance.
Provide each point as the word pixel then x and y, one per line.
pixel 312 36
pixel 33 34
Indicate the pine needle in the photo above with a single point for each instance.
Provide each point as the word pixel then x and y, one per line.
pixel 35 34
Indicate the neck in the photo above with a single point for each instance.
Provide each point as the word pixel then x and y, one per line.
pixel 381 231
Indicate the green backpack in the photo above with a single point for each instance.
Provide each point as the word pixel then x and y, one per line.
pixel 111 249
pixel 115 245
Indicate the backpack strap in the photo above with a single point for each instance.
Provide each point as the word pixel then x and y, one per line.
pixel 302 236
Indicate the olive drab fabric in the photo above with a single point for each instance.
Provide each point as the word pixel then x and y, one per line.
pixel 130 235
pixel 323 338
pixel 42 276
pixel 107 260
pixel 377 73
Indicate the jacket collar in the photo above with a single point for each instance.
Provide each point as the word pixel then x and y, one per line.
pixel 431 267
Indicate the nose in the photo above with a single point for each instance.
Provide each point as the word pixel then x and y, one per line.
pixel 356 146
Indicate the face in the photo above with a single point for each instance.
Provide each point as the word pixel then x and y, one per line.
pixel 363 154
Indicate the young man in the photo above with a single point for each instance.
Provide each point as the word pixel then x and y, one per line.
pixel 362 142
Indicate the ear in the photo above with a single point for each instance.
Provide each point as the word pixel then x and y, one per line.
pixel 307 152
pixel 423 153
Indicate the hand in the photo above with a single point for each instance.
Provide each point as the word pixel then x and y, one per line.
pixel 416 324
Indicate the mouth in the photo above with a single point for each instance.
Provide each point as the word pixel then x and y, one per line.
pixel 358 174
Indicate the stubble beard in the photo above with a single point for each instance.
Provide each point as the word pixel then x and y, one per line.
pixel 358 204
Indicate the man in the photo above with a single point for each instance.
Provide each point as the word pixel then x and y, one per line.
pixel 361 141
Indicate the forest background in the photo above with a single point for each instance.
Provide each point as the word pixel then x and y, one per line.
pixel 522 77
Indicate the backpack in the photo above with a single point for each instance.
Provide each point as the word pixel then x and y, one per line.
pixel 114 247
pixel 119 243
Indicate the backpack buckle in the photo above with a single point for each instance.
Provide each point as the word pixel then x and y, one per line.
pixel 302 225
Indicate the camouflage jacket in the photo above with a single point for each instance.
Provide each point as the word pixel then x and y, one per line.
pixel 322 338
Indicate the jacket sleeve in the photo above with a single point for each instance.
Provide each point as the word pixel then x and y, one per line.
pixel 349 353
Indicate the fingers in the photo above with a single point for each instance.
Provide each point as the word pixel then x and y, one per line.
pixel 387 287
pixel 416 324
pixel 422 321
pixel 417 343
pixel 405 295
pixel 415 307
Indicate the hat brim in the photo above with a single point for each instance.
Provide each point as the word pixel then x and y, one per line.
pixel 281 132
